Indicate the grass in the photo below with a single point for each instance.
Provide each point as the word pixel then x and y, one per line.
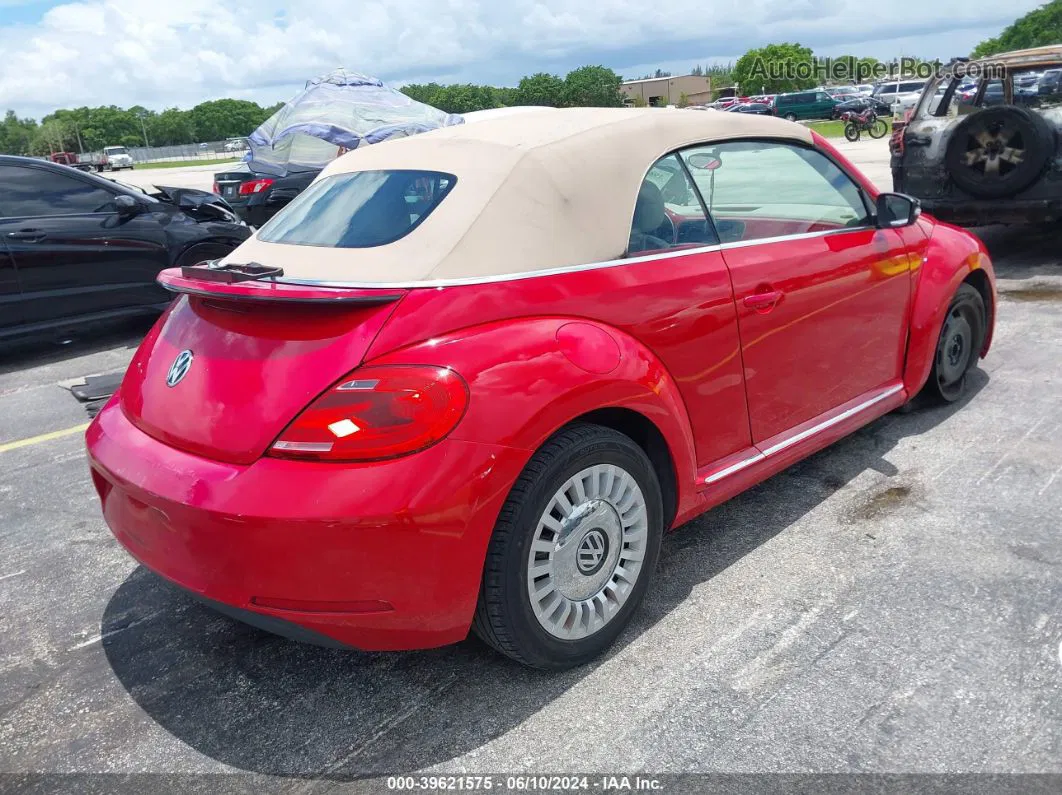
pixel 180 163
pixel 828 129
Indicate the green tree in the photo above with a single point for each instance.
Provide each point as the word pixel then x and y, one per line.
pixel 17 135
pixel 593 86
pixel 540 88
pixel 428 93
pixel 172 126
pixel 775 68
pixel 226 118
pixel 683 100
pixel 1036 29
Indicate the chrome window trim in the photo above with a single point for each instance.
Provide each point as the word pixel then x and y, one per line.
pixel 613 263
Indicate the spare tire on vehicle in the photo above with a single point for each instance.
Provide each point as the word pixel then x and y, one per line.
pixel 998 152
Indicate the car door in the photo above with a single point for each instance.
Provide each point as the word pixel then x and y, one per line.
pixel 822 295
pixel 824 104
pixel 73 254
pixel 10 295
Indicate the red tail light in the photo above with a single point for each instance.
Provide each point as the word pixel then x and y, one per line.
pixel 377 413
pixel 216 189
pixel 255 186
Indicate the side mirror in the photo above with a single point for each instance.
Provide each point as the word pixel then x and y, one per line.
pixel 127 206
pixel 897 209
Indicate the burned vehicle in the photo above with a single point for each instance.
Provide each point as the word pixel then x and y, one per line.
pixel 982 144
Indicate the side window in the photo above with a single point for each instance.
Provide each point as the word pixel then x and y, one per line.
pixel 756 190
pixel 822 97
pixel 668 213
pixel 26 191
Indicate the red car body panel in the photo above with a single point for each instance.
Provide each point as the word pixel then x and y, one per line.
pixel 399 536
pixel 744 358
pixel 304 348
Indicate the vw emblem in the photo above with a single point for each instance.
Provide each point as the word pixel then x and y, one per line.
pixel 591 552
pixel 179 368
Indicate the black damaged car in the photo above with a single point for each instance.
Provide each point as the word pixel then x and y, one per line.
pixel 76 248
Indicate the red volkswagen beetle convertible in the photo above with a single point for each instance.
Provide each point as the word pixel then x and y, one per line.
pixel 468 379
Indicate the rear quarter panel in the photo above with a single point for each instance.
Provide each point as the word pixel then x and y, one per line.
pixel 526 381
pixel 671 319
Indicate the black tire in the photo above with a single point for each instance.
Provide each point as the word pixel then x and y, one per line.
pixel 199 252
pixel 790 117
pixel 851 131
pixel 958 346
pixel 878 129
pixel 986 170
pixel 504 616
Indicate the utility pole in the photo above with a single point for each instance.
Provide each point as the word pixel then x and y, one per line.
pixel 80 146
pixel 143 128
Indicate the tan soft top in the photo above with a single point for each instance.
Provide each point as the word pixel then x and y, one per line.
pixel 534 192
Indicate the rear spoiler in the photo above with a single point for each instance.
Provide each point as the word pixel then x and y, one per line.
pixel 254 282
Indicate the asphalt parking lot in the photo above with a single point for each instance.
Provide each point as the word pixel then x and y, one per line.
pixel 892 604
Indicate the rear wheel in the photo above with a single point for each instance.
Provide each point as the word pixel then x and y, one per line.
pixel 851 131
pixel 573 550
pixel 959 345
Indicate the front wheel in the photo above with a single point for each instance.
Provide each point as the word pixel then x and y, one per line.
pixel 573 550
pixel 851 131
pixel 959 345
pixel 878 129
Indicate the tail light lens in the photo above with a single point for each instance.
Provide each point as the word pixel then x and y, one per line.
pixel 254 186
pixel 216 189
pixel 377 413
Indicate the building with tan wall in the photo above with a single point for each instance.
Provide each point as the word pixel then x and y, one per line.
pixel 668 90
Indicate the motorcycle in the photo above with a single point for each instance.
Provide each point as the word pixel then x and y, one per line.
pixel 867 121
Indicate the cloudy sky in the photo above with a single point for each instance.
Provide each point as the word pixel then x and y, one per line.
pixel 177 53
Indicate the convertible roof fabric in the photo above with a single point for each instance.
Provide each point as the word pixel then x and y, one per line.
pixel 534 192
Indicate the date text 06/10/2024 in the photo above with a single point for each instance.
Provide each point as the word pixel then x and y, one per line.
pixel 525 783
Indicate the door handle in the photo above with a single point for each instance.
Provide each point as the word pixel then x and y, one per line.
pixel 762 302
pixel 28 235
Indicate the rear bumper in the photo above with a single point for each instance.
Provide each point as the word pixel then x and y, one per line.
pixel 994 211
pixel 381 556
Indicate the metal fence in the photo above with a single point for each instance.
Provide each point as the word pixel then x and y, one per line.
pixel 204 151
pixel 213 150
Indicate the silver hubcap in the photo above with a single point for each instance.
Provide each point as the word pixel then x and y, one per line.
pixel 587 551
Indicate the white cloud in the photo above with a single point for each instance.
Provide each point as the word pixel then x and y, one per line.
pixel 127 52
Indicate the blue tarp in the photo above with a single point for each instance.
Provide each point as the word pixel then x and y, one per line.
pixel 338 111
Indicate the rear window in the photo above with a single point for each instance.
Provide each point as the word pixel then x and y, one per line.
pixel 361 209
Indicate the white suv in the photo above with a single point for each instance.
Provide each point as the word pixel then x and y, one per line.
pixel 900 94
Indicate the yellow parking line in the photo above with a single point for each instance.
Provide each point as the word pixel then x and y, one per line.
pixel 44 437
